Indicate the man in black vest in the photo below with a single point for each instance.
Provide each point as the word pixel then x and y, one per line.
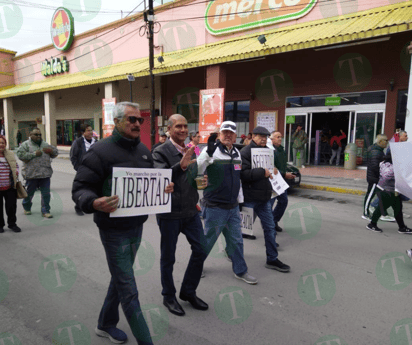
pixel 184 218
pixel 79 147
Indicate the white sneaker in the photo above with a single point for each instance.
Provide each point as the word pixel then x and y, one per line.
pixel 406 215
pixel 246 277
pixel 387 219
pixel 366 217
pixel 409 253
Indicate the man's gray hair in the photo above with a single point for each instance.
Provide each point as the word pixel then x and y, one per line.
pixel 119 109
pixel 380 137
pixel 401 132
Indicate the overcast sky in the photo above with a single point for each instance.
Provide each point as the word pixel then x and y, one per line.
pixel 25 25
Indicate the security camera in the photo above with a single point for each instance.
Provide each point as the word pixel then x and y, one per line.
pixel 330 109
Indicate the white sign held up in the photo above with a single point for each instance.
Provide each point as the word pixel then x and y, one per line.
pixel 402 166
pixel 246 221
pixel 141 191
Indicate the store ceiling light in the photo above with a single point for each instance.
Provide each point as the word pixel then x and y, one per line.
pixel 262 39
pixel 160 59
pixel 353 44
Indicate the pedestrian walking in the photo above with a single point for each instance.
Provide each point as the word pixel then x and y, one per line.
pixel 388 198
pixel 194 141
pixel 162 140
pixel 184 218
pixel 36 156
pixel 336 146
pixel 300 138
pixel 374 157
pixel 120 236
pixel 9 171
pixel 257 191
pixel 280 164
pixel 79 147
pixel 19 137
pixel 221 198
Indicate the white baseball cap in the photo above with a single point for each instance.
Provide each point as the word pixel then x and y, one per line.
pixel 228 126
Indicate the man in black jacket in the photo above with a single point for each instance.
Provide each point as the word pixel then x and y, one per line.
pixel 184 218
pixel 257 191
pixel 120 236
pixel 374 157
pixel 79 147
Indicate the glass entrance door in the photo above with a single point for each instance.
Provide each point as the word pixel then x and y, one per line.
pixel 366 127
pixel 291 123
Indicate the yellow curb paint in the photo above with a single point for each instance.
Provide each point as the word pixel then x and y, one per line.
pixel 333 189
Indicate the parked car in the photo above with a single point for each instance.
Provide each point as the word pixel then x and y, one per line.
pixel 295 171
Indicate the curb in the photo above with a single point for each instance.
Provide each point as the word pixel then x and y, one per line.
pixel 333 189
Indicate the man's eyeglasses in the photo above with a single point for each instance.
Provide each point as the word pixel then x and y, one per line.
pixel 37 135
pixel 133 119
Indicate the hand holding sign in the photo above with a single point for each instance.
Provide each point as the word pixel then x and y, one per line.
pixel 268 174
pixel 107 204
pixel 187 158
pixel 170 188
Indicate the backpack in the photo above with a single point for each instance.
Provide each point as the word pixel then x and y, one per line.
pixel 335 145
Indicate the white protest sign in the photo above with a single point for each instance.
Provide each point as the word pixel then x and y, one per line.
pixel 141 191
pixel 264 158
pixel 402 167
pixel 246 220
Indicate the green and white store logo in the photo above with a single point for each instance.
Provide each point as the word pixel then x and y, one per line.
pixel 56 209
pixel 233 305
pixel 57 273
pixel 302 221
pixel 330 340
pixel 9 339
pixel 393 271
pixel 401 332
pixel 144 253
pixel 71 332
pixel 352 72
pixel 272 87
pixel 316 287
pixel 94 59
pixel 153 318
pixel 4 285
pixel 84 10
pixel 11 19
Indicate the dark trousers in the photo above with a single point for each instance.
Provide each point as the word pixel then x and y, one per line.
pixel 386 200
pixel 193 230
pixel 280 208
pixel 10 195
pixel 31 186
pixel 368 198
pixel 121 246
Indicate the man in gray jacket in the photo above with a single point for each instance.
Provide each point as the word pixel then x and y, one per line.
pixel 36 155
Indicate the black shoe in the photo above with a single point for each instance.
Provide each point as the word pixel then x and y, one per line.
pixel 277 265
pixel 1 230
pixel 278 228
pixel 174 307
pixel 405 230
pixel 15 228
pixel 79 212
pixel 373 228
pixel 195 301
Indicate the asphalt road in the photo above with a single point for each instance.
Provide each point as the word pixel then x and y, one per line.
pixel 347 285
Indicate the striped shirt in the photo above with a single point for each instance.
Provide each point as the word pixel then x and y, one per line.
pixel 5 174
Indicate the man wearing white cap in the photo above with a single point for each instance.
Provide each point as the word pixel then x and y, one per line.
pixel 222 196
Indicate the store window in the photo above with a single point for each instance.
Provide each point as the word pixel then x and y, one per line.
pixel 69 130
pixel 238 112
pixel 401 109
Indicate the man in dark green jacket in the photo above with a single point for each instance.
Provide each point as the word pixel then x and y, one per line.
pixel 280 164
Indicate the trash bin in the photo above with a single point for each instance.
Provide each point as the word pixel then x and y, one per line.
pixel 350 156
pixel 300 158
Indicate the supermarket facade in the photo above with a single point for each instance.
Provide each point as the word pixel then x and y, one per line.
pixel 334 65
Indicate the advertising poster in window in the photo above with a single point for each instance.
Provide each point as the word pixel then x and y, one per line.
pixel 108 122
pixel 211 111
pixel 266 119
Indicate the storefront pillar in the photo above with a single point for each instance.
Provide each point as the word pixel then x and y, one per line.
pixel 408 120
pixel 8 116
pixel 215 77
pixel 50 113
pixel 111 90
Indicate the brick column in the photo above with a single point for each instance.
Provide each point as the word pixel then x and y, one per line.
pixel 215 77
pixel 8 116
pixel 50 113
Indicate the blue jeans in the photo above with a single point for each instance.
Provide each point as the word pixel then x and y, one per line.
pixel 121 246
pixel 218 220
pixel 31 186
pixel 264 211
pixel 280 206
pixel 193 230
